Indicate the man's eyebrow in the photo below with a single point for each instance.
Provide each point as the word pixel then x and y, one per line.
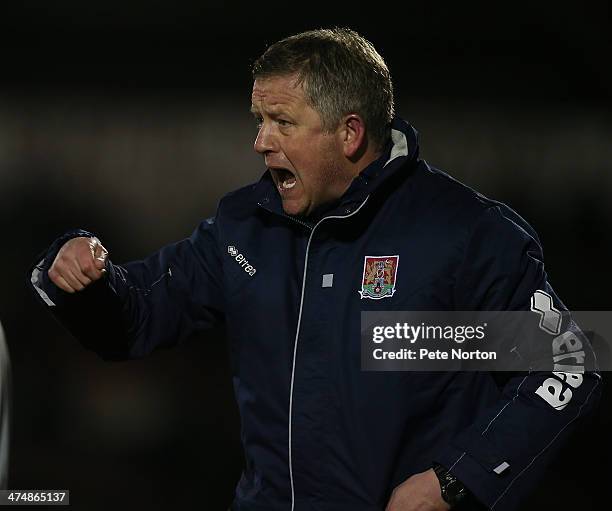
pixel 272 110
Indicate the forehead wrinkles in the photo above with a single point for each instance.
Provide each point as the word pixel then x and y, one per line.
pixel 277 93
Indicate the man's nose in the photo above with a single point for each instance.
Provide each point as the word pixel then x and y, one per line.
pixel 265 141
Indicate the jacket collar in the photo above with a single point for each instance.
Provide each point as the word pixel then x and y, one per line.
pixel 403 148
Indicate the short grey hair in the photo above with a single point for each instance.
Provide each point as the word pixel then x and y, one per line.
pixel 341 72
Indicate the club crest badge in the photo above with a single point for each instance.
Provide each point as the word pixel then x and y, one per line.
pixel 379 276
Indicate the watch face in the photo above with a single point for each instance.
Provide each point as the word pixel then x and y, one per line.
pixel 451 488
pixel 454 492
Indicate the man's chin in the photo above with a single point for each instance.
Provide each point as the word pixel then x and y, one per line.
pixel 294 208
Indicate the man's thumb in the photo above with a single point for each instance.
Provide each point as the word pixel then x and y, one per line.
pixel 100 256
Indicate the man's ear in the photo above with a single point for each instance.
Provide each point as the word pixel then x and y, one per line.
pixel 353 136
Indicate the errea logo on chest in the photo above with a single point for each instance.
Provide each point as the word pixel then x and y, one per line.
pixel 241 260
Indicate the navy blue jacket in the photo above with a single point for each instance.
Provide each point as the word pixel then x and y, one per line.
pixel 318 432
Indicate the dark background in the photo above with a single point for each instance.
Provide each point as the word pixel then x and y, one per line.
pixel 130 119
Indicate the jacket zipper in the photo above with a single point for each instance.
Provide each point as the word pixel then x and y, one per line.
pixel 297 333
pixel 304 224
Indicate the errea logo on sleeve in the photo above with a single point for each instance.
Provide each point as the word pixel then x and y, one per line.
pixel 241 260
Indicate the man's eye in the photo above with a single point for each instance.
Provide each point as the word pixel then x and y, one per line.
pixel 283 122
pixel 258 122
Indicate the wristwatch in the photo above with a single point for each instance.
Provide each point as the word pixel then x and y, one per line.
pixel 453 491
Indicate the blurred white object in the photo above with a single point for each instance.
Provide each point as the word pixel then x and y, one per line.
pixel 5 409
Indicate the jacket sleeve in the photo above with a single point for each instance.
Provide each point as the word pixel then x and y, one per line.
pixel 503 455
pixel 141 305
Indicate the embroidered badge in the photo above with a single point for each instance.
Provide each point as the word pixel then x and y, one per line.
pixel 379 276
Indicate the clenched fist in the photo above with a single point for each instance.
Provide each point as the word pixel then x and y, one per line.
pixel 79 262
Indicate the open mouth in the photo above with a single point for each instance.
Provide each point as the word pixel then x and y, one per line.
pixel 285 179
